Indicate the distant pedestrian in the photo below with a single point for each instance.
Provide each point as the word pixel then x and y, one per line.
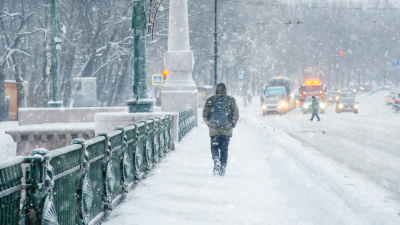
pixel 221 114
pixel 315 108
pixel 262 99
pixel 249 99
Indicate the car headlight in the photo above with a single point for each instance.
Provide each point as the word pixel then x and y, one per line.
pixel 337 97
pixel 297 101
pixel 283 104
pixel 263 106
pixel 305 106
pixel 341 106
pixel 354 90
pixel 322 105
pixel 356 106
pixel 330 99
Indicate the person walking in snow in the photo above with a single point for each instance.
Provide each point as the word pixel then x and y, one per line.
pixel 314 107
pixel 249 98
pixel 221 114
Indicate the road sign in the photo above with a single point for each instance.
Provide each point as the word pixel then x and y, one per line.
pixel 395 63
pixel 157 79
pixel 308 69
pixel 241 78
pixel 294 79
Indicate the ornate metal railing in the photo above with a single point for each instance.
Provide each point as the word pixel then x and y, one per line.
pixel 186 121
pixel 82 183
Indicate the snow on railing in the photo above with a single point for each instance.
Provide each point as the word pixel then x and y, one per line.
pixel 82 183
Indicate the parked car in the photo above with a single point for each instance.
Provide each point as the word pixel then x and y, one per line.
pixel 347 105
pixel 390 98
pixel 396 103
pixel 306 107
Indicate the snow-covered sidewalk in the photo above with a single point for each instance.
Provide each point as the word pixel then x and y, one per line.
pixel 264 184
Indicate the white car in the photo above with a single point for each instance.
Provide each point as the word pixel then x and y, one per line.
pixel 306 107
pixel 272 105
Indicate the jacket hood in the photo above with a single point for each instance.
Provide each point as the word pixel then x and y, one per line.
pixel 221 89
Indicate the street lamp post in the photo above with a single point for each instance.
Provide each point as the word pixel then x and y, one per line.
pixel 55 95
pixel 139 102
pixel 215 46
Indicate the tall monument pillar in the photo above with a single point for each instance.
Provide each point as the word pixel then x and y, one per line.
pixel 179 90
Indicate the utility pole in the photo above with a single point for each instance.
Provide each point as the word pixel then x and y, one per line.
pixel 55 95
pixel 139 103
pixel 263 25
pixel 215 47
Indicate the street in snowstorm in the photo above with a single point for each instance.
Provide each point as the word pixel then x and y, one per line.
pixel 366 142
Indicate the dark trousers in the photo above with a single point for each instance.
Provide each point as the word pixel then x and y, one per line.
pixel 314 113
pixel 220 143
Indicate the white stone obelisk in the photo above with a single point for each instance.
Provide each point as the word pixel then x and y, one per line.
pixel 179 90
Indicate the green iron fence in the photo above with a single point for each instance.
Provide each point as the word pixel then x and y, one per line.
pixel 186 121
pixel 82 183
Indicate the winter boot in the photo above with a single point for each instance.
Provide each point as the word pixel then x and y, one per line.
pixel 217 167
pixel 222 171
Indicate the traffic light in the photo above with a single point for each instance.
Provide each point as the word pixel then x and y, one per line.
pixel 165 73
pixel 341 53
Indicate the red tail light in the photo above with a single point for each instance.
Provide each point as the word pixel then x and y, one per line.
pixel 396 100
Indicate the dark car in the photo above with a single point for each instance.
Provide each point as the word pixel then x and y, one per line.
pixel 333 97
pixel 354 89
pixel 347 105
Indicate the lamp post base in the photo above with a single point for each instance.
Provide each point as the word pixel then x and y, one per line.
pixel 136 106
pixel 52 104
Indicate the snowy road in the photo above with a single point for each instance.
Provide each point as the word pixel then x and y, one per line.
pixel 271 178
pixel 367 142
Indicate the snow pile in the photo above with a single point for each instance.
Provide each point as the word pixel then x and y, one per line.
pixel 8 147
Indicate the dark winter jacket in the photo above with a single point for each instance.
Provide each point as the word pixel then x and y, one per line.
pixel 233 116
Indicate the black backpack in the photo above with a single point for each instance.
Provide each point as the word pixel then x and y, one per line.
pixel 220 111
